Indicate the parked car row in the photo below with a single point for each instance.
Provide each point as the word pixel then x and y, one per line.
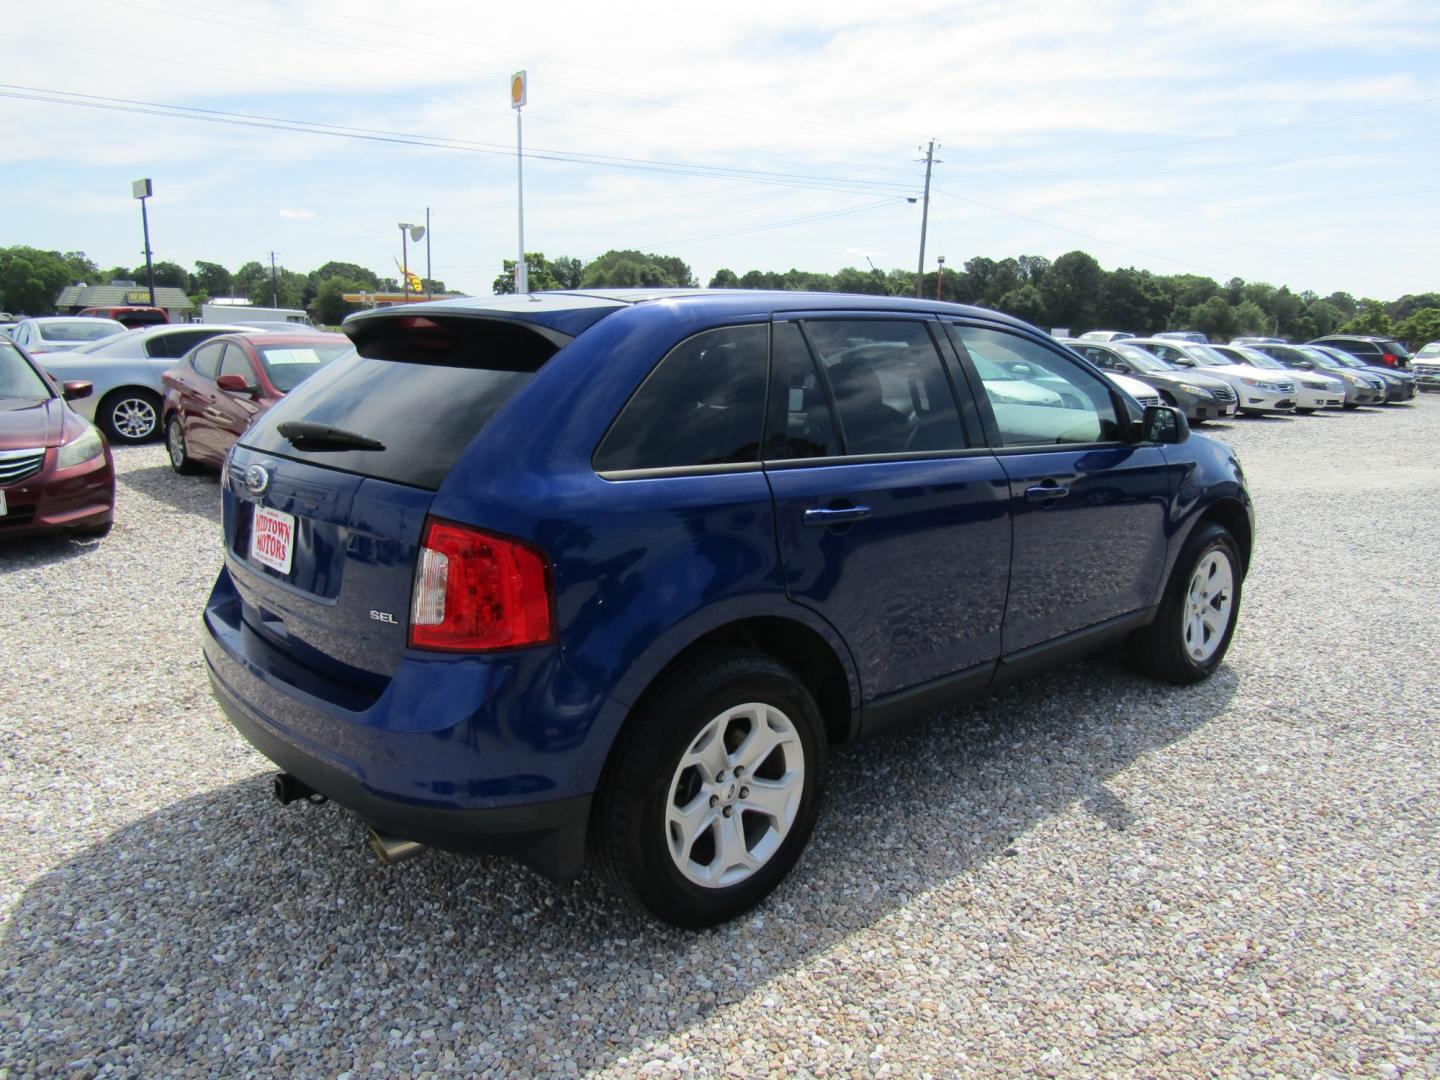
pixel 1250 376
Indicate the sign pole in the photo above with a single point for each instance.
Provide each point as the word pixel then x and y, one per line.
pixel 518 88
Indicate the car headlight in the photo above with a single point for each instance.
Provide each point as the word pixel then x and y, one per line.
pixel 1259 384
pixel 1353 380
pixel 77 451
pixel 1198 391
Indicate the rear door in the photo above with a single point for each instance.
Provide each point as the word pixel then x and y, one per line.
pixel 322 535
pixel 892 516
pixel 1089 507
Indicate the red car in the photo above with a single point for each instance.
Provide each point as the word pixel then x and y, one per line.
pixel 219 388
pixel 56 474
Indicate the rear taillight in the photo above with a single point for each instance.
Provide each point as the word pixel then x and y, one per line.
pixel 1390 358
pixel 475 591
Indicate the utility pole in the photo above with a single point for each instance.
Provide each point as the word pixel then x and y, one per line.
pixel 924 216
pixel 939 274
pixel 429 284
pixel 519 86
pixel 274 289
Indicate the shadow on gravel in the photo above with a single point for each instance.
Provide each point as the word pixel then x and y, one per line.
pixel 26 553
pixel 226 929
pixel 199 495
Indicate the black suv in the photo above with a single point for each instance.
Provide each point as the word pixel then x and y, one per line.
pixel 1374 351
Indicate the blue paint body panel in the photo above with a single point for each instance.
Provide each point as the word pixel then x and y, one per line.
pixel 952 568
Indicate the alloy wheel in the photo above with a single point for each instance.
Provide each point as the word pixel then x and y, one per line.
pixel 1209 604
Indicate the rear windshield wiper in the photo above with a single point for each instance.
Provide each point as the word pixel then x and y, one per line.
pixel 304 435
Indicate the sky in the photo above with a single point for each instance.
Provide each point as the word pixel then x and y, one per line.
pixel 1293 142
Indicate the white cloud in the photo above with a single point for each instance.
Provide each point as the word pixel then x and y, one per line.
pixel 299 214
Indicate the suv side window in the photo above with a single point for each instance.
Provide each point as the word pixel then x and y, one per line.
pixel 1038 396
pixel 888 385
pixel 703 404
pixel 801 424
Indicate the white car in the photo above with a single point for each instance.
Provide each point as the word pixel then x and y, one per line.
pixel 60 333
pixel 126 371
pixel 1425 366
pixel 1313 389
pixel 1261 390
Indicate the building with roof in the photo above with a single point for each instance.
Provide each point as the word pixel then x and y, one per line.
pixel 75 298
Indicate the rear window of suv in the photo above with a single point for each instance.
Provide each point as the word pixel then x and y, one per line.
pixel 422 392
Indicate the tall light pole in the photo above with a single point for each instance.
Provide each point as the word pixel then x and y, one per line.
pixel 142 190
pixel 924 216
pixel 414 232
pixel 518 88
pixel 429 282
pixel 939 274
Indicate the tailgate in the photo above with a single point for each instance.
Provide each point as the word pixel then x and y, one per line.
pixel 343 605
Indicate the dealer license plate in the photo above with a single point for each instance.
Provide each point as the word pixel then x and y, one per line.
pixel 272 539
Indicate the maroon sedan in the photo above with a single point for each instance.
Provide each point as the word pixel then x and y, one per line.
pixel 56 474
pixel 219 388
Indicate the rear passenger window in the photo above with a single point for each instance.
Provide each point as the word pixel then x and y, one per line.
pixel 801 425
pixel 207 361
pixel 888 385
pixel 703 404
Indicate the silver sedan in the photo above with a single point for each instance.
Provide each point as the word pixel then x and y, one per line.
pixel 126 371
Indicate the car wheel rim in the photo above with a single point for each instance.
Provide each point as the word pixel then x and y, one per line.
pixel 735 795
pixel 176 442
pixel 1209 604
pixel 133 418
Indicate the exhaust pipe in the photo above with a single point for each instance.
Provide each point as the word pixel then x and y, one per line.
pixel 391 849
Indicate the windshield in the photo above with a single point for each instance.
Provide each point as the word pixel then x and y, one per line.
pixel 1330 360
pixel 289 365
pixel 1433 349
pixel 1256 358
pixel 1207 357
pixel 1145 361
pixel 17 378
pixel 78 329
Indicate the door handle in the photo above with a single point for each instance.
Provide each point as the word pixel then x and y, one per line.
pixel 1046 492
pixel 839 515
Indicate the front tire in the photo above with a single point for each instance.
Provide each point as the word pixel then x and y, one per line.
pixel 129 416
pixel 1192 630
pixel 712 791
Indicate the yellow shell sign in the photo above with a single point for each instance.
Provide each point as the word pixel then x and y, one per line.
pixel 517 89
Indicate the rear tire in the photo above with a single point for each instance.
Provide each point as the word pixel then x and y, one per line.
pixel 175 446
pixel 675 829
pixel 129 416
pixel 1192 630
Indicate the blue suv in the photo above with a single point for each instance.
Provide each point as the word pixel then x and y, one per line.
pixel 617 569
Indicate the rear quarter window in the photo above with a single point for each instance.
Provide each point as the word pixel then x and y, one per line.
pixel 702 404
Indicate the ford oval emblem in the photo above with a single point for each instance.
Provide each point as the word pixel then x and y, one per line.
pixel 257 479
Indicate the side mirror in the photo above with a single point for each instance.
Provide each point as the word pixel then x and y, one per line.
pixel 1164 424
pixel 77 389
pixel 235 384
pixel 1305 365
pixel 1183 361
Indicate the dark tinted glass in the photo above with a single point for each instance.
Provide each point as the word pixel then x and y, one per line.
pixel 801 421
pixel 703 404
pixel 425 415
pixel 888 386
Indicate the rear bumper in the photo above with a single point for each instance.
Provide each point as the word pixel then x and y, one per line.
pixel 469 755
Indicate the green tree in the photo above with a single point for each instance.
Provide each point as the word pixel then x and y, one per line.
pixel 724 279
pixel 31 279
pixel 167 274
pixel 1371 319
pixel 1324 317
pixel 1250 318
pixel 115 273
pixel 635 269
pixel 868 282
pixel 212 279
pixel 1214 318
pixel 1025 303
pixel 1072 290
pixel 356 275
pixel 1421 328
pixel 252 281
pixel 541 274
pixel 1132 300
pixel 331 307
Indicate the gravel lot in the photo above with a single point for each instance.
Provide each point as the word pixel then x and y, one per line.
pixel 1085 875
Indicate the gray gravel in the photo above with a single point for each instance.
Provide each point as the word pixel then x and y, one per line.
pixel 1086 875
